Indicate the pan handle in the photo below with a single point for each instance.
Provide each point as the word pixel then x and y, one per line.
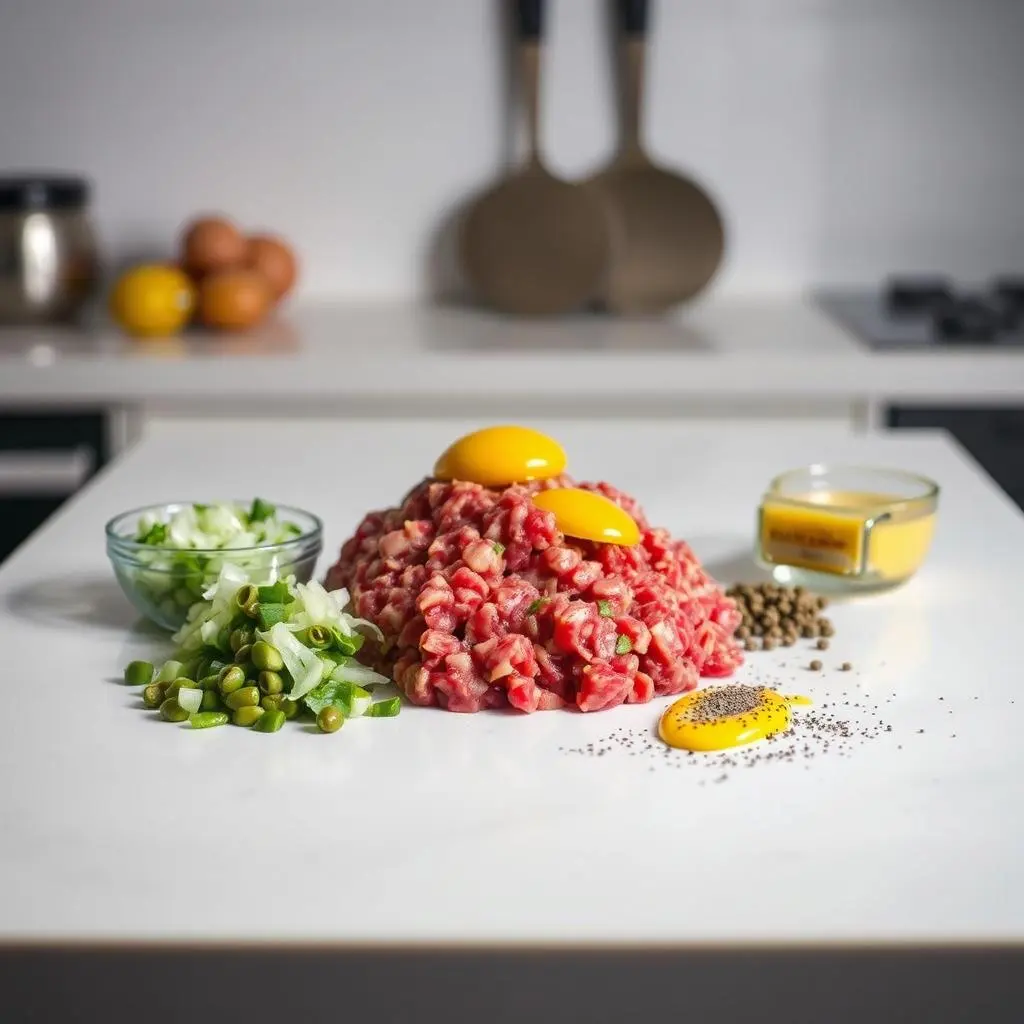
pixel 632 17
pixel 632 22
pixel 529 27
pixel 529 20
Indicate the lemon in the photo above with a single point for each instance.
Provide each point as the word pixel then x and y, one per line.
pixel 152 300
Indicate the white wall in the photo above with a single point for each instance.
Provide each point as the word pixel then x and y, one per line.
pixel 843 138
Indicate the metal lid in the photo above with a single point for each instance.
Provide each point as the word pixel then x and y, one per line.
pixel 23 192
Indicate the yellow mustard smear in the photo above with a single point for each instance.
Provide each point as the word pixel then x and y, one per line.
pixel 875 535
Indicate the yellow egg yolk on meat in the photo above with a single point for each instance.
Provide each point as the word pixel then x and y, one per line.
pixel 719 717
pixel 589 516
pixel 499 456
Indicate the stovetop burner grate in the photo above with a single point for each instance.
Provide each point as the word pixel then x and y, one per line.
pixel 923 311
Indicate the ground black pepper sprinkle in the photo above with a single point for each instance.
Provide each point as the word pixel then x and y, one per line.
pixel 814 731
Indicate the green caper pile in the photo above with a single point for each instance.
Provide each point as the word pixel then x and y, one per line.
pixel 248 690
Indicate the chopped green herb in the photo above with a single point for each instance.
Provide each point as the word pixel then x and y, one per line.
pixel 347 645
pixel 623 645
pixel 270 614
pixel 156 534
pixel 351 700
pixel 261 510
pixel 499 548
pixel 276 594
pixel 605 608
pixel 537 605
pixel 385 708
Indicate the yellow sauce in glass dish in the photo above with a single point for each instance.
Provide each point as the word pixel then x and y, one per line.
pixel 846 527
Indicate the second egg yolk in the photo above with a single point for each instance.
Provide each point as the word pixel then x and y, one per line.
pixel 499 456
pixel 719 717
pixel 589 516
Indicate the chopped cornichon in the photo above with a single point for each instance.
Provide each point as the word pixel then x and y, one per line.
pixel 605 608
pixel 499 548
pixel 623 645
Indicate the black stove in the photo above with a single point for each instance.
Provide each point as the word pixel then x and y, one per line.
pixel 918 311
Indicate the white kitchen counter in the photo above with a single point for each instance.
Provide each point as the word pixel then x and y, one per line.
pixel 435 827
pixel 391 359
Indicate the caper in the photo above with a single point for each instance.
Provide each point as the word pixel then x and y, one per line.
pixel 269 721
pixel 210 682
pixel 247 598
pixel 290 708
pixel 231 678
pixel 247 716
pixel 318 636
pixel 210 701
pixel 138 673
pixel 153 695
pixel 266 657
pixel 243 655
pixel 271 682
pixel 247 696
pixel 172 711
pixel 172 688
pixel 330 719
pixel 241 637
pixel 273 703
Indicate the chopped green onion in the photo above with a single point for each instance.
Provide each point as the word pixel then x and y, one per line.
pixel 605 608
pixel 623 645
pixel 385 708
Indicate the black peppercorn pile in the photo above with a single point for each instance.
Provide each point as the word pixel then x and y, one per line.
pixel 775 615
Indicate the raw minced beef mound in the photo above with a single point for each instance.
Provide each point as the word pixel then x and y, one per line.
pixel 484 603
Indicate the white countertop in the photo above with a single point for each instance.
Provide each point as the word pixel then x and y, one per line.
pixel 435 827
pixel 356 357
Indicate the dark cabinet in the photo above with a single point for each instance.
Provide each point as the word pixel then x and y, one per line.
pixel 994 437
pixel 44 458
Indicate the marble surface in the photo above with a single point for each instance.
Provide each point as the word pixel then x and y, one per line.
pixel 441 828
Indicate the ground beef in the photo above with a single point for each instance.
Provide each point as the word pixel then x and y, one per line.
pixel 484 603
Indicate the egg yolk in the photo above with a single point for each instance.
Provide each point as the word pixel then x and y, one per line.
pixel 726 716
pixel 589 516
pixel 499 456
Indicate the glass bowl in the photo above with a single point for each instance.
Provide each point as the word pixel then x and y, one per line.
pixel 846 528
pixel 164 582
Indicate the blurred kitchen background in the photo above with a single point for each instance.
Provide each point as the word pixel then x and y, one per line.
pixel 844 143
